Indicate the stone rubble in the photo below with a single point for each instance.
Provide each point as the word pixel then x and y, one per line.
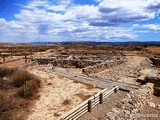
pixel 132 103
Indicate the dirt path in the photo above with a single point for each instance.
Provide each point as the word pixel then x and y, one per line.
pixel 57 95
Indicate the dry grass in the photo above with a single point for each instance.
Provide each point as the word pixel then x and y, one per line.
pixel 5 71
pixel 154 49
pixel 20 77
pixel 18 88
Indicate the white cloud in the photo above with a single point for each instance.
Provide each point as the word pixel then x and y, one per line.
pixel 98 1
pixel 61 20
pixel 125 11
pixel 154 27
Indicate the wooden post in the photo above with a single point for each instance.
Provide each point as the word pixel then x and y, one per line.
pixel 115 90
pixel 89 105
pixel 30 51
pixel 4 59
pixel 25 59
pixel 101 98
pixel 1 83
pixel 36 52
pixel 11 53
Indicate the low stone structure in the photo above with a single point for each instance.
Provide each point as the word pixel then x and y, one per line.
pixel 131 104
pixel 73 63
pixel 155 79
pixel 100 67
pixel 156 62
pixel 66 63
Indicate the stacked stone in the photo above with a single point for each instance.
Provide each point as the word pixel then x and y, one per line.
pixel 100 67
pixel 132 103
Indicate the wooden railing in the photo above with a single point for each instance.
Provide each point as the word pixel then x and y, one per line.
pixel 88 104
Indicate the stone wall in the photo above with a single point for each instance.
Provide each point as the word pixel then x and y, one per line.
pixel 155 79
pixel 73 63
pixel 64 63
pixel 43 61
pixel 100 67
pixel 156 62
pixel 132 103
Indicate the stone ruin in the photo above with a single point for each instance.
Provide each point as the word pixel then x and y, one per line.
pixel 66 63
pixel 156 62
pixel 154 77
pixel 100 67
pixel 132 103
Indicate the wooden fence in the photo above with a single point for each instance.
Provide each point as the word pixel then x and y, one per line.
pixel 88 104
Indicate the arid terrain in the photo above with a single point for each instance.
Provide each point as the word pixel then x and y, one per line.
pixel 69 74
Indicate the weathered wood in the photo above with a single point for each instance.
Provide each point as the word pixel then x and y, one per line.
pixel 11 53
pixel 89 105
pixel 115 90
pixel 25 59
pixel 4 58
pixel 77 115
pixel 101 98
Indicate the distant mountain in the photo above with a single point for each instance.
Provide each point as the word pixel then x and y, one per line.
pixel 99 43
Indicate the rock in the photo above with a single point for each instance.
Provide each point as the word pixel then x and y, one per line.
pixel 111 116
pixel 152 104
pixel 116 110
pixel 158 106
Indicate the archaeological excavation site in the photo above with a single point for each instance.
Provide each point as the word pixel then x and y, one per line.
pixel 79 81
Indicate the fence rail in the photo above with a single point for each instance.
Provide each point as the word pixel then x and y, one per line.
pixel 88 104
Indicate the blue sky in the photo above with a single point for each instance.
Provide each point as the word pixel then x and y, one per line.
pixel 79 20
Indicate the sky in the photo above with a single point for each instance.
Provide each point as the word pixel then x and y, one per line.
pixel 79 20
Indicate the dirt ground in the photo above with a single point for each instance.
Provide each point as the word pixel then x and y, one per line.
pixel 154 49
pixel 57 95
pixel 15 61
pixel 128 72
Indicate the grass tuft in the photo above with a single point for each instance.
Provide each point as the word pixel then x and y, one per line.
pixel 18 88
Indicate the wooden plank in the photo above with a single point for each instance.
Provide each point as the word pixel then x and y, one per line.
pixel 85 107
pixel 79 114
pixel 101 98
pixel 79 109
pixel 89 105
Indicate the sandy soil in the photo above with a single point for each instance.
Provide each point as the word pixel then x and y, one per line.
pixel 57 95
pixel 17 63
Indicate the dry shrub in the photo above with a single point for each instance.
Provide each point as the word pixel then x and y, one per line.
pixel 4 117
pixel 4 102
pixel 20 77
pixel 18 85
pixel 56 114
pixel 1 99
pixel 5 71
pixel 67 102
pixel 75 81
pixel 29 88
